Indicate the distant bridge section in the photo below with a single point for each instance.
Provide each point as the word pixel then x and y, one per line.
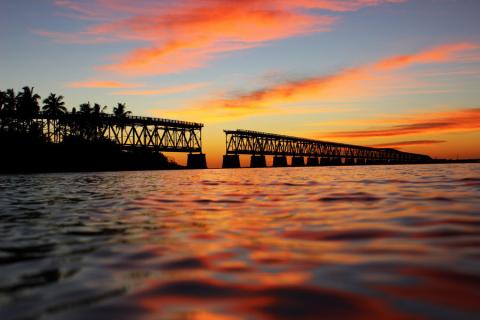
pixel 260 144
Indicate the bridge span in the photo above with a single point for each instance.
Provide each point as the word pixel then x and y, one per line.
pixel 129 132
pixel 260 144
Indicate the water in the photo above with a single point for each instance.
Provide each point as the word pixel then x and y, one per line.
pixel 396 242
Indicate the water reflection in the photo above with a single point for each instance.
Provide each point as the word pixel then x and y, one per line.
pixel 369 242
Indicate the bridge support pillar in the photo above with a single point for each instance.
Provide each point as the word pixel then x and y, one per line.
pixel 360 162
pixel 325 161
pixel 336 161
pixel 231 161
pixel 258 162
pixel 349 161
pixel 312 161
pixel 298 162
pixel 373 162
pixel 196 161
pixel 279 161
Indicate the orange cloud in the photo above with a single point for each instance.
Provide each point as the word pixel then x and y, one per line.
pixel 102 84
pixel 443 53
pixel 185 39
pixel 186 34
pixel 162 91
pixel 452 121
pixel 360 82
pixel 406 143
pixel 295 90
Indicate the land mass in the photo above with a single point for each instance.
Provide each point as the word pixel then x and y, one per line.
pixel 28 154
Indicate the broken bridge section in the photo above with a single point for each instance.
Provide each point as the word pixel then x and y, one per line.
pixel 129 132
pixel 260 144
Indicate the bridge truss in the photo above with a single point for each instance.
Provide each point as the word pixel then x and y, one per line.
pixel 129 132
pixel 261 143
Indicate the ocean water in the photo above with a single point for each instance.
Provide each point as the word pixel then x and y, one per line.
pixel 374 242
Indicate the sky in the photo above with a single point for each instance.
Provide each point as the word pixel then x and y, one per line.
pixel 387 73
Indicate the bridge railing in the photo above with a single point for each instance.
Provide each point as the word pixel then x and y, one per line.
pixel 120 120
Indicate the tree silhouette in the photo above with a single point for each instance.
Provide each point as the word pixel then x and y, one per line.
pixel 3 96
pixel 10 103
pixel 120 111
pixel 27 103
pixel 54 105
pixel 85 108
pixel 98 110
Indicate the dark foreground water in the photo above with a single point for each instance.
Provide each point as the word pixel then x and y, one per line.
pixel 393 242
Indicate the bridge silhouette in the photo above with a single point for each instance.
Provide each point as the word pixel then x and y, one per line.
pixel 259 144
pixel 129 132
pixel 164 135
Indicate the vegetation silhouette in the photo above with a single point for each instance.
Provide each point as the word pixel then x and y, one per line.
pixel 27 147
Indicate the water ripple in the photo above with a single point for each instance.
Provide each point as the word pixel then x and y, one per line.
pixel 391 242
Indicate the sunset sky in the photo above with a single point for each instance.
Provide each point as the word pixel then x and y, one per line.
pixel 395 73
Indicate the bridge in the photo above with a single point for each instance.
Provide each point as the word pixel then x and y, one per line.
pixel 259 144
pixel 129 132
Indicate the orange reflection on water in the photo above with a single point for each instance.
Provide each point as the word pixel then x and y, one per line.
pixel 266 301
pixel 376 242
pixel 323 243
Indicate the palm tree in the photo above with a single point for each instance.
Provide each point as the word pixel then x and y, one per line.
pixel 28 103
pixel 120 112
pixel 10 103
pixel 54 105
pixel 3 96
pixel 86 124
pixel 85 108
pixel 8 107
pixel 98 110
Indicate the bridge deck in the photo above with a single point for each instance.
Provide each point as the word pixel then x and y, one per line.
pixel 127 120
pixel 262 143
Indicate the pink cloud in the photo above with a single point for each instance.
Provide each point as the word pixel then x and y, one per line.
pixel 94 84
pixel 186 34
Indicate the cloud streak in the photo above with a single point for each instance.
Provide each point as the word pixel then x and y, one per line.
pixel 406 143
pixel 99 84
pixel 368 80
pixel 187 34
pixel 444 53
pixel 348 81
pixel 453 121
